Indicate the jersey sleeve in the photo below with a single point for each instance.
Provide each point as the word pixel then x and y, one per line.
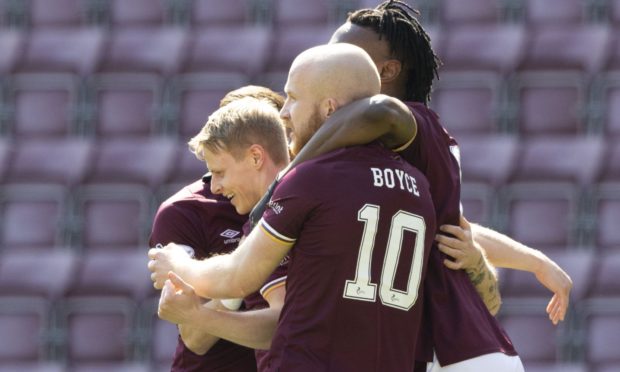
pixel 290 206
pixel 172 226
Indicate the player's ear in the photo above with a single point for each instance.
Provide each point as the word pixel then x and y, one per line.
pixel 328 107
pixel 256 154
pixel 389 70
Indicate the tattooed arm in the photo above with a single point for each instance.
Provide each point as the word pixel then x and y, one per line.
pixel 468 255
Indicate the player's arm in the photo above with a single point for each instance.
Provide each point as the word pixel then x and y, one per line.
pixel 468 255
pixel 502 251
pixel 194 336
pixel 203 324
pixel 233 275
pixel 379 117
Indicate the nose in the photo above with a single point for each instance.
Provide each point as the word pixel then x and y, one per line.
pixel 216 186
pixel 284 114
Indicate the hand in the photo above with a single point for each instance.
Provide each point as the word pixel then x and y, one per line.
pixel 462 248
pixel 163 260
pixel 261 206
pixel 178 303
pixel 558 282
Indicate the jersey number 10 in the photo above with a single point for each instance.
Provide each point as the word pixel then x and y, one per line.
pixel 361 288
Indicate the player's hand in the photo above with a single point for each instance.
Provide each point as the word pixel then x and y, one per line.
pixel 261 206
pixel 558 282
pixel 462 248
pixel 178 302
pixel 172 257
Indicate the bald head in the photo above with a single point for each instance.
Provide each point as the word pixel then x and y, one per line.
pixel 340 71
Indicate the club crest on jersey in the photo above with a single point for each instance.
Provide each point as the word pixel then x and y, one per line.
pixel 277 208
pixel 229 233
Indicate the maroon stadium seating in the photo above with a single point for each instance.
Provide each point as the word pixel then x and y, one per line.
pixel 218 13
pixel 11 44
pixel 477 11
pixel 542 13
pixel 488 158
pixel 127 14
pixel 57 13
pixel 604 283
pixel 25 319
pixel 293 13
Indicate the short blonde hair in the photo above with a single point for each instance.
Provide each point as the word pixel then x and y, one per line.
pixel 254 91
pixel 240 124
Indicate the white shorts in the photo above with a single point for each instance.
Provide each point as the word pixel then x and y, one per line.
pixel 487 362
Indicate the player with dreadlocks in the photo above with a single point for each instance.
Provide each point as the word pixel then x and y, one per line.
pixel 461 334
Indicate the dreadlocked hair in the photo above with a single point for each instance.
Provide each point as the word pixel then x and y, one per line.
pixel 408 41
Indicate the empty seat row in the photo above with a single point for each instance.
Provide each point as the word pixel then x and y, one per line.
pixel 173 49
pixel 90 217
pixel 283 13
pixel 84 334
pixel 113 105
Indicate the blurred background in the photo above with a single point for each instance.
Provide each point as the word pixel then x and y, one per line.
pixel 99 97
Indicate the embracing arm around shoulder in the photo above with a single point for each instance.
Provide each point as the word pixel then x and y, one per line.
pixel 233 275
pixel 379 117
pixel 502 251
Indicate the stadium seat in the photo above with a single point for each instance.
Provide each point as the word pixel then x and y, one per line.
pixel 604 214
pixel 485 47
pixel 536 339
pixel 210 50
pixel 195 97
pixel 33 216
pixel 601 334
pixel 37 273
pixel 541 215
pixel 219 13
pixel 145 49
pixel 97 329
pixel 122 105
pixel 557 367
pixel 547 103
pixel 288 45
pixel 11 44
pixel 110 366
pixel 42 105
pixel 604 283
pixel 477 202
pixel 161 337
pixel 145 160
pixel 25 326
pixel 614 11
pixel 71 50
pixel 135 13
pixel 57 160
pixel 560 158
pixel 605 105
pixel 295 13
pixel 453 12
pixel 188 167
pixel 31 366
pixel 489 159
pixel 6 148
pixel 564 12
pixel 113 273
pixel 57 13
pixel 468 102
pixel 610 170
pixel 109 216
pixel 567 47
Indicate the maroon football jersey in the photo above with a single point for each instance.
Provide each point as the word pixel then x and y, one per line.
pixel 362 221
pixel 256 301
pixel 459 326
pixel 208 224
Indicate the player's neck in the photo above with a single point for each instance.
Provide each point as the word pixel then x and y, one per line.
pixel 394 89
pixel 269 174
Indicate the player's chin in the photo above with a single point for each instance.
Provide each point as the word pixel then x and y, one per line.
pixel 241 208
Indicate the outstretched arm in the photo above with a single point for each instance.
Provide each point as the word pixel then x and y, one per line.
pixel 503 251
pixel 379 117
pixel 233 275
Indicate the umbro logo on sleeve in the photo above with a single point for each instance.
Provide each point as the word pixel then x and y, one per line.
pixel 229 233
